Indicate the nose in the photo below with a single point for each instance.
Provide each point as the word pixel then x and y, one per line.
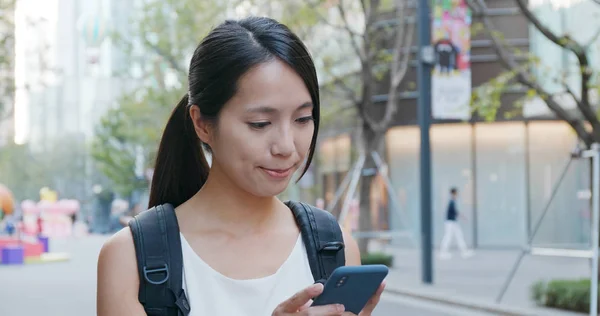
pixel 283 144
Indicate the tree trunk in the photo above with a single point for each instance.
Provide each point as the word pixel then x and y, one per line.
pixel 373 141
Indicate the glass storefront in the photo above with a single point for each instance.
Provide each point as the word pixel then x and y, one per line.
pixel 403 163
pixel 505 174
pixel 500 184
pixel 451 167
pixel 566 223
pixel 451 161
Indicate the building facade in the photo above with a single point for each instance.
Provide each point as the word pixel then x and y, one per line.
pixel 7 77
pixel 505 170
pixel 78 79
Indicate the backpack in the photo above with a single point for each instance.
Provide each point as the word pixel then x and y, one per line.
pixel 160 264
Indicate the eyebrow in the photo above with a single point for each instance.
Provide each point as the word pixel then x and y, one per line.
pixel 268 109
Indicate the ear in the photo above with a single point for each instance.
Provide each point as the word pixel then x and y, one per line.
pixel 201 126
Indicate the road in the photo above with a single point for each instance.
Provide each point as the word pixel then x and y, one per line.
pixel 391 304
pixel 68 288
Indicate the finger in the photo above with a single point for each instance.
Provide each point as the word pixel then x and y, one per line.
pixel 372 303
pixel 325 310
pixel 299 299
pixel 305 306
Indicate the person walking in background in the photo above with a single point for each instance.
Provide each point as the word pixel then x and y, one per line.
pixel 452 229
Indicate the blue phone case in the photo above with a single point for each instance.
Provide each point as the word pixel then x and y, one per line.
pixel 352 286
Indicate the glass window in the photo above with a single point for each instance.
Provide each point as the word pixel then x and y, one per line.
pixel 500 175
pixel 403 159
pixel 451 167
pixel 566 222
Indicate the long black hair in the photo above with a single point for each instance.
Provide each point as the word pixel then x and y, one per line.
pixel 226 53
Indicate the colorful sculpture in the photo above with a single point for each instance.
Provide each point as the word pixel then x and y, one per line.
pixel 7 202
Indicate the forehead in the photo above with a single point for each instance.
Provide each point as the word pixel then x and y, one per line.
pixel 273 84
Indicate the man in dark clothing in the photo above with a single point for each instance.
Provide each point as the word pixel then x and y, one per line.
pixel 452 229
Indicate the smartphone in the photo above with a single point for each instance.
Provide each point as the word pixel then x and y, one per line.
pixel 352 286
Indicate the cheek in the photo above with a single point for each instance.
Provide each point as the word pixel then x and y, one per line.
pixel 237 148
pixel 304 140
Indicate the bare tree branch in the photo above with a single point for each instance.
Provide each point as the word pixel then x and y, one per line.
pixel 367 91
pixel 585 110
pixel 568 43
pixel 562 41
pixel 366 10
pixel 400 60
pixel 369 12
pixel 326 21
pixel 397 71
pixel 593 38
pixel 345 27
pixel 569 91
pixel 351 34
pixel 351 94
pixel 509 62
pixel 168 57
pixel 402 45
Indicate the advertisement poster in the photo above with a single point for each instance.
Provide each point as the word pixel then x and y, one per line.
pixel 451 77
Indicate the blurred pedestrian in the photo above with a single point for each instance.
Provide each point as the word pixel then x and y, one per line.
pixel 452 229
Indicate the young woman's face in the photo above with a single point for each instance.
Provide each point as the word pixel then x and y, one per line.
pixel 264 132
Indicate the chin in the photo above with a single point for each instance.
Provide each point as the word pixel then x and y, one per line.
pixel 268 191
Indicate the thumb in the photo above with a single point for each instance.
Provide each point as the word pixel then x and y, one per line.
pixel 301 298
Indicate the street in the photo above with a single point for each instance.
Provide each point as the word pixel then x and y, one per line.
pixel 395 305
pixel 68 288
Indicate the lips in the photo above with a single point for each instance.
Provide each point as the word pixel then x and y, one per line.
pixel 278 173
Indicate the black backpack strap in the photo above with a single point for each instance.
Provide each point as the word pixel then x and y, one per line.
pixel 322 238
pixel 160 262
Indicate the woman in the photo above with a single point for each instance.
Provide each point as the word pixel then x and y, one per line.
pixel 253 103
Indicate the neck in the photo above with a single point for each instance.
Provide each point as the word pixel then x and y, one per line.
pixel 222 205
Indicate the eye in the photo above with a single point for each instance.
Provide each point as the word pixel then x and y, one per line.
pixel 304 120
pixel 258 125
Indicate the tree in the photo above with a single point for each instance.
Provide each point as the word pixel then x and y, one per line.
pixel 164 34
pixel 579 82
pixel 26 172
pixel 375 36
pixel 19 172
pixel 125 130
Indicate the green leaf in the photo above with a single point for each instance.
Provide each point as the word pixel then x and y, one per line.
pixel 477 28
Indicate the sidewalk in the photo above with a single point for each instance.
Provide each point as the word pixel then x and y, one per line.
pixel 477 281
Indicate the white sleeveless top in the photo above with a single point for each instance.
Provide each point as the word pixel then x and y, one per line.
pixel 211 293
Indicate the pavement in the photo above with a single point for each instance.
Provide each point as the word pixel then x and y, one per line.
pixel 69 288
pixel 475 282
pixel 399 305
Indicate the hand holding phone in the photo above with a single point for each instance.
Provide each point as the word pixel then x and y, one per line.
pixel 299 304
pixel 353 287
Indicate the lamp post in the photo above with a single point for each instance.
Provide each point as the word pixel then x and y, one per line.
pixel 424 118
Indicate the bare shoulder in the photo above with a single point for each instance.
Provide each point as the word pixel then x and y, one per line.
pixel 351 249
pixel 119 249
pixel 118 281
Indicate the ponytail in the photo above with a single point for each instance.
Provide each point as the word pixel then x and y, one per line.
pixel 181 168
